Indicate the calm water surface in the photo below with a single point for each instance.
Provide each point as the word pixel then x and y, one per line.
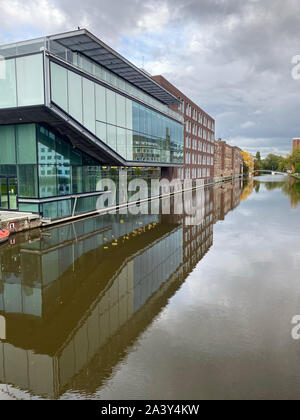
pixel 148 307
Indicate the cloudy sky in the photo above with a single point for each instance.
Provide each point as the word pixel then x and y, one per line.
pixel 232 57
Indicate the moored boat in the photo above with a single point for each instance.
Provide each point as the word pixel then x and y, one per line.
pixel 4 235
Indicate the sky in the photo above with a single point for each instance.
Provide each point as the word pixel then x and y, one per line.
pixel 234 58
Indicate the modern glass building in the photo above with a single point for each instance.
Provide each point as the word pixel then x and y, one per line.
pixel 72 111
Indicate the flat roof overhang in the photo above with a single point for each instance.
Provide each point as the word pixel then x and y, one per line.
pixel 82 41
pixel 68 128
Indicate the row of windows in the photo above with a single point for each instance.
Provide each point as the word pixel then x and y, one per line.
pixel 196 115
pixel 103 74
pixel 112 117
pixel 198 145
pixel 195 159
pixel 193 173
pixel 199 131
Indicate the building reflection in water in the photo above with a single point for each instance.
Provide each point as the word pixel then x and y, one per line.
pixel 74 298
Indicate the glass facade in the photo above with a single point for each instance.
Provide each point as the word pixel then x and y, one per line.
pixel 83 63
pixel 134 131
pixel 23 82
pixel 40 171
pixel 18 164
pixel 38 164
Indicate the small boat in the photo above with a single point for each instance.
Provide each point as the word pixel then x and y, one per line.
pixel 4 235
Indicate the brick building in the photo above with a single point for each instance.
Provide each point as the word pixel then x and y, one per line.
pixel 228 161
pixel 296 143
pixel 199 136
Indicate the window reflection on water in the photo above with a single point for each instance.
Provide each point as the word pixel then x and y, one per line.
pixel 76 297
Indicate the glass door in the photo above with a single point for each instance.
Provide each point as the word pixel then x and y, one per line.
pixel 13 193
pixel 8 194
pixel 4 203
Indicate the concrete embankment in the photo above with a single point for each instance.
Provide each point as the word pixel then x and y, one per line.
pixel 19 222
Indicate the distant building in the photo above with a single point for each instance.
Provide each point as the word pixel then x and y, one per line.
pixel 228 161
pixel 296 143
pixel 199 136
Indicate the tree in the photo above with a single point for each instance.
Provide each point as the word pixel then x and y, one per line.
pixel 258 164
pixel 271 162
pixel 293 160
pixel 258 156
pixel 245 170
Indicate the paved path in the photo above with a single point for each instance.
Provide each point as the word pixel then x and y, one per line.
pixel 6 215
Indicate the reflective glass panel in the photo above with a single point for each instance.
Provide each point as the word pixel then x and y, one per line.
pixel 8 87
pixel 59 86
pixel 30 80
pixel 75 95
pixel 26 143
pixel 7 145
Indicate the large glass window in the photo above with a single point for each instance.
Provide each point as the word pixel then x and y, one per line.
pixel 101 104
pixel 46 146
pixel 77 179
pixel 129 114
pixel 48 182
pixel 103 112
pixel 30 80
pixel 59 86
pixel 26 143
pixel 62 152
pixel 7 145
pixel 111 106
pixel 89 113
pixel 121 111
pixel 27 181
pixel 112 136
pixel 101 131
pixel 91 177
pixel 64 180
pixel 75 95
pixel 121 142
pixel 129 142
pixel 8 88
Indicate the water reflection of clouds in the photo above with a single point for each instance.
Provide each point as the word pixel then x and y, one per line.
pixel 228 329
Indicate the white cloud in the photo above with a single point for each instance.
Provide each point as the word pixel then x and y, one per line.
pixel 39 14
pixel 155 19
pixel 248 124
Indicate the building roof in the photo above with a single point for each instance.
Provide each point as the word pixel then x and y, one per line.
pixel 84 42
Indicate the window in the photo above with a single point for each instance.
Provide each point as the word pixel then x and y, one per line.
pixel 121 110
pixel 89 113
pixel 26 143
pixel 7 145
pixel 111 106
pixel 30 80
pixel 8 88
pixel 27 181
pixel 75 96
pixel 59 86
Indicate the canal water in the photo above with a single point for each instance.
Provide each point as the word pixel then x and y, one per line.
pixel 154 307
